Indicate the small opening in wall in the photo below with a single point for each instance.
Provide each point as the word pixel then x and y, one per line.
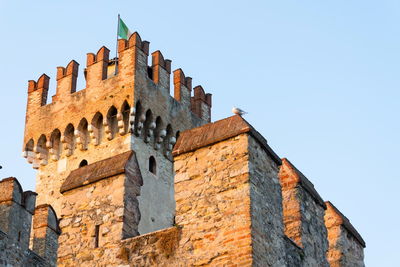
pixel 152 165
pixel 96 236
pixel 83 163
pixel 19 236
pixel 150 72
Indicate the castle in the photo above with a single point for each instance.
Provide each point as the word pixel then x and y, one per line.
pixel 137 177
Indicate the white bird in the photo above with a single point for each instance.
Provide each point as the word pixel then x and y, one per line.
pixel 238 111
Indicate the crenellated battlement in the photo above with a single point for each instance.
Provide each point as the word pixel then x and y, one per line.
pixel 17 208
pixel 101 55
pixel 122 96
pixel 134 41
pixel 38 91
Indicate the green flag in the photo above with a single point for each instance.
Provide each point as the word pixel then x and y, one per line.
pixel 123 30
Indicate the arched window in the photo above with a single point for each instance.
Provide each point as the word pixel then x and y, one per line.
pixel 55 144
pixel 167 139
pixel 139 118
pixel 83 134
pixel 83 163
pixel 97 128
pixel 125 116
pixel 159 133
pixel 28 153
pixel 148 126
pixel 112 122
pixel 152 165
pixel 41 148
pixel 29 145
pixel 69 139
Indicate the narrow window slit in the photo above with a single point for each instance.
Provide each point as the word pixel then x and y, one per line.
pixel 152 165
pixel 96 237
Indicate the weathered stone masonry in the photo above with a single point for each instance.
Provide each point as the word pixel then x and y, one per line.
pixel 142 178
pixel 16 211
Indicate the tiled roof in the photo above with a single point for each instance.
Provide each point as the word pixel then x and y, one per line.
pixel 97 171
pixel 212 133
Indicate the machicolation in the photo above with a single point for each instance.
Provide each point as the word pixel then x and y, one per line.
pixel 96 115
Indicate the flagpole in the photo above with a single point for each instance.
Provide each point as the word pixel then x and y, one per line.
pixel 116 49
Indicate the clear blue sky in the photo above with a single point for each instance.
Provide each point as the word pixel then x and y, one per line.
pixel 320 80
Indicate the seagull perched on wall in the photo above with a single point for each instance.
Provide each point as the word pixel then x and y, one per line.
pixel 238 111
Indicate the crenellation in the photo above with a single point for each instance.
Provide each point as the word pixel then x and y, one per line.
pixel 303 214
pixel 11 206
pixel 346 246
pixel 161 70
pixel 45 233
pixel 66 80
pixel 16 211
pixel 37 92
pixel 96 67
pixel 134 41
pixel 182 87
pixel 201 103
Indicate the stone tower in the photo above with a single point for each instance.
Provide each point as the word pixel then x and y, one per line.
pixel 129 192
pixel 103 154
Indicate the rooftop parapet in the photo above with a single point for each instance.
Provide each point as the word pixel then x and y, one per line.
pixel 134 40
pixel 161 70
pixel 182 87
pixel 16 209
pixel 45 233
pixel 303 214
pixel 11 190
pixel 37 91
pixel 334 218
pixel 290 176
pixel 346 246
pixel 66 80
pixel 201 103
pixel 96 66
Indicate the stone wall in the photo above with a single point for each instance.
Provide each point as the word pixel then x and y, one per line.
pixel 303 215
pixel 156 200
pixel 99 207
pixel 346 246
pixel 212 193
pixel 84 209
pixel 266 207
pixel 16 210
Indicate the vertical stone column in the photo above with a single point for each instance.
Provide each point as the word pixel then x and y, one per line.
pixel 37 93
pixel 16 209
pixel 182 87
pixel 346 246
pixel 201 104
pixel 161 71
pixel 303 214
pixel 266 206
pixel 45 233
